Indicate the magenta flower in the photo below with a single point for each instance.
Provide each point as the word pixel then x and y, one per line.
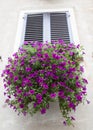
pixel 46 55
pixel 19 91
pixel 25 42
pixel 39 55
pixel 35 105
pixel 55 56
pixel 26 81
pixel 21 105
pixel 31 91
pixel 39 101
pixel 41 73
pixel 52 95
pixel 79 97
pixel 8 82
pixel 5 86
pixel 71 53
pixel 43 111
pixel 85 81
pixel 77 77
pixel 10 59
pixel 81 69
pixel 26 94
pixel 45 86
pixel 44 91
pixel 19 100
pixel 78 84
pixel 61 94
pixel 22 63
pixel 38 96
pixel 15 78
pixel 72 105
pixel 63 64
pixel 72 118
pixel 64 122
pixel 28 69
pixel 53 85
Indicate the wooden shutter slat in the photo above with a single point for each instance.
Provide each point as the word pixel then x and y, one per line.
pixel 34 28
pixel 59 27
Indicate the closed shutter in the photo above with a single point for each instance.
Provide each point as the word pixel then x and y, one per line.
pixel 59 27
pixel 38 24
pixel 34 28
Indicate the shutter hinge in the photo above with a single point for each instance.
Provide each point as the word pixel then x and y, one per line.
pixel 24 17
pixel 68 15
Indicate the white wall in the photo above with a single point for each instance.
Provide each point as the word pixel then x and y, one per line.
pixel 9 13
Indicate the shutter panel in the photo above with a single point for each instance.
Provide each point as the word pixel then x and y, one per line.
pixel 59 27
pixel 34 28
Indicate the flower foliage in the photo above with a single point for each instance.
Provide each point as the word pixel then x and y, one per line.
pixel 39 74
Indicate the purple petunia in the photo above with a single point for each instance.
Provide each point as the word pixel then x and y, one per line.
pixel 46 55
pixel 53 85
pixel 71 53
pixel 78 84
pixel 19 100
pixel 85 81
pixel 40 73
pixel 72 118
pixel 25 81
pixel 38 96
pixel 64 122
pixel 72 105
pixel 21 105
pixel 5 86
pixel 25 42
pixel 61 94
pixel 15 78
pixel 39 101
pixel 28 69
pixel 19 91
pixel 44 92
pixel 79 97
pixel 45 86
pixel 31 91
pixel 55 56
pixel 81 69
pixel 52 95
pixel 43 111
pixel 35 105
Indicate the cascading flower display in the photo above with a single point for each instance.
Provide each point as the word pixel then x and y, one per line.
pixel 39 74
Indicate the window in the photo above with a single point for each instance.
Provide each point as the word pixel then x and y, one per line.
pixel 46 26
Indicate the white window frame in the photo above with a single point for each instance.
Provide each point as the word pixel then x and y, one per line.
pixel 22 25
pixel 46 27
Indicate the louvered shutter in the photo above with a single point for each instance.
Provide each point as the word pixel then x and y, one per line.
pixel 59 27
pixel 34 28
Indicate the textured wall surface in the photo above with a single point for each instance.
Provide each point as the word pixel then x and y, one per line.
pixel 9 13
